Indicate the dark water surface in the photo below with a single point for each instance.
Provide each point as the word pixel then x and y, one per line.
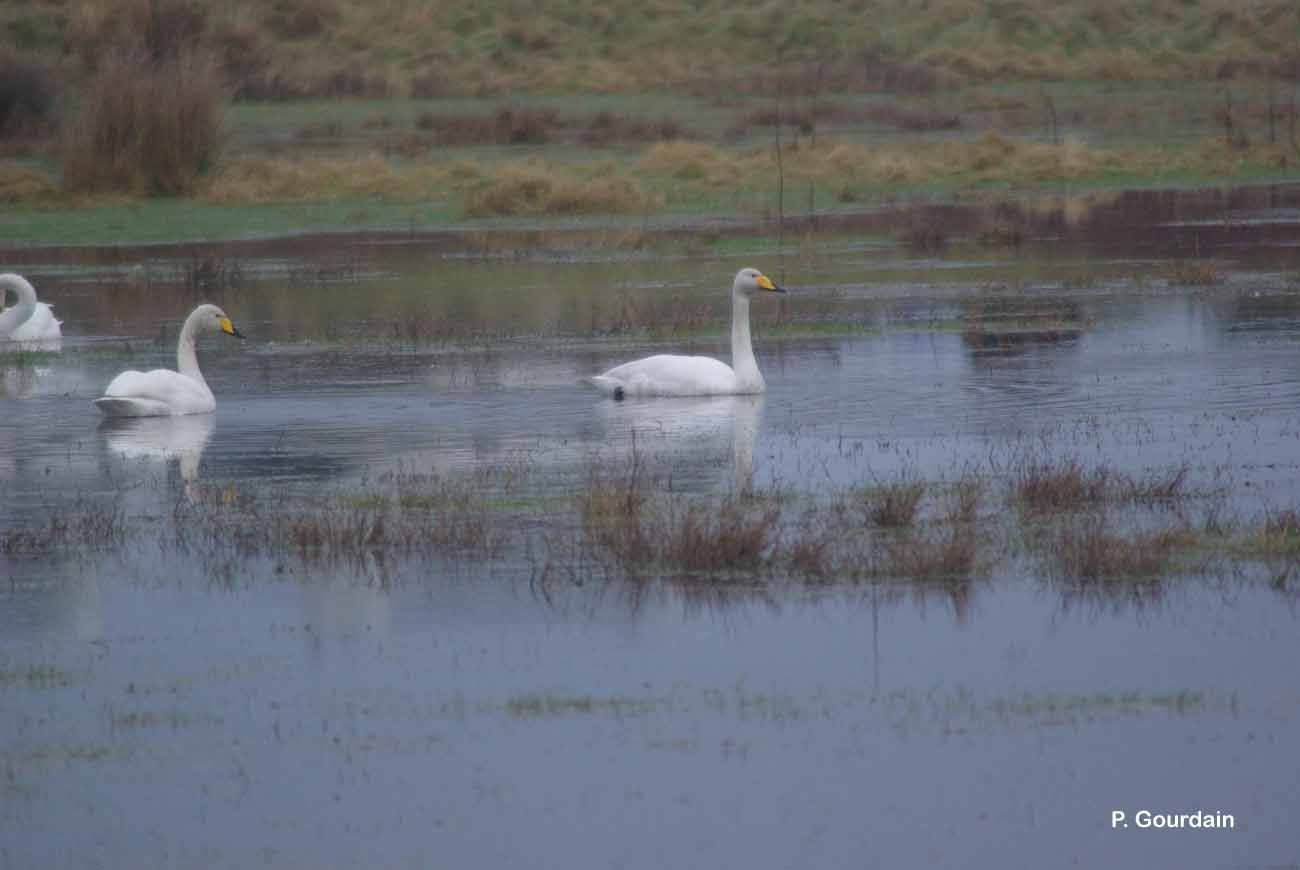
pixel 154 713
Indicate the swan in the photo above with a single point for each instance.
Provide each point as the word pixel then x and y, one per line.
pixel 671 375
pixel 163 392
pixel 29 320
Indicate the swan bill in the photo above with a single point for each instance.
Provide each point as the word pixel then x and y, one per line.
pixel 229 328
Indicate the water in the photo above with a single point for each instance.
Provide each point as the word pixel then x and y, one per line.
pixel 162 708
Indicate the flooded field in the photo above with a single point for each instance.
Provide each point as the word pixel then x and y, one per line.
pixel 1009 544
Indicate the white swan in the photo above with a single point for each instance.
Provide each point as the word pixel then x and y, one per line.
pixel 670 375
pixel 163 392
pixel 29 320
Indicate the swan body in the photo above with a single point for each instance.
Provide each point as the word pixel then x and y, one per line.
pixel 163 392
pixel 673 375
pixel 29 320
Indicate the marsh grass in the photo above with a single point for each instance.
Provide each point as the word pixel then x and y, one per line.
pixel 1192 273
pixel 1085 550
pixel 1048 486
pixel 80 527
pixel 1058 486
pixel 894 505
pixel 402 516
pixel 945 553
pixel 1276 536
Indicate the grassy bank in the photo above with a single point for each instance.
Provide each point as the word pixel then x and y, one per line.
pixel 666 182
pixel 299 48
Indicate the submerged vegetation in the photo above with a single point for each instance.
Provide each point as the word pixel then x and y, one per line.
pixel 631 523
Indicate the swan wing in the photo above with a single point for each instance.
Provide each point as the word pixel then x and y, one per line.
pixel 42 325
pixel 112 407
pixel 668 375
pixel 155 393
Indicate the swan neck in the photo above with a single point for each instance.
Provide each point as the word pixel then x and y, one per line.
pixel 19 314
pixel 187 359
pixel 742 348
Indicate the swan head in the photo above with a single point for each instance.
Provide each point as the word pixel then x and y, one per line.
pixel 749 281
pixel 212 318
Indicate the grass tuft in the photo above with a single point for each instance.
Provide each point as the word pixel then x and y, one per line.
pixel 1086 550
pixel 894 505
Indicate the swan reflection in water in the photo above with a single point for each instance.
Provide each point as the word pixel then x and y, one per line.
pixel 688 429
pixel 160 440
pixel 24 370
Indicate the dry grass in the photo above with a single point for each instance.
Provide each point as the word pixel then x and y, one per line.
pixel 695 162
pixel 522 189
pixel 251 180
pixel 25 184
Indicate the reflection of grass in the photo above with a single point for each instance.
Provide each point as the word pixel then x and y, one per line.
pixel 36 677
pixel 22 358
pixel 536 705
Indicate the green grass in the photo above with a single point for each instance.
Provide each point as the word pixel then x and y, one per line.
pixel 183 220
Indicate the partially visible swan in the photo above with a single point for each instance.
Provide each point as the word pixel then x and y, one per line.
pixel 29 320
pixel 163 392
pixel 670 375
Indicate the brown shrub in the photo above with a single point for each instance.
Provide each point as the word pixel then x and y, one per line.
pixel 605 128
pixel 244 56
pixel 144 126
pixel 508 125
pixel 161 30
pixel 428 85
pixel 300 19
pixel 26 95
